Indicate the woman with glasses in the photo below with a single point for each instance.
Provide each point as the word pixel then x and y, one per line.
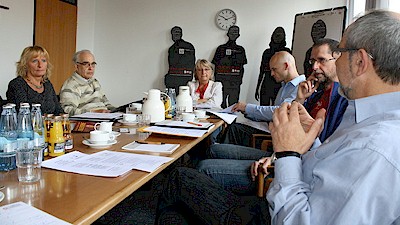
pixel 32 84
pixel 206 92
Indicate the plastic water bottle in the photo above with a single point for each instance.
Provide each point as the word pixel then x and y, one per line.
pixel 24 124
pixel 8 139
pixel 172 94
pixel 38 126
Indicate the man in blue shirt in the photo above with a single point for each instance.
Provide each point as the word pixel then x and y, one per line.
pixel 352 178
pixel 283 69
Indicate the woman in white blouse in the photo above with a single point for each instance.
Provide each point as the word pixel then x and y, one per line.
pixel 206 92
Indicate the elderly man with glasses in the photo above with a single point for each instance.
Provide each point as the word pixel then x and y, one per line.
pixel 82 92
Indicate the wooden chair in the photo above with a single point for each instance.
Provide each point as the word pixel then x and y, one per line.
pixel 262 183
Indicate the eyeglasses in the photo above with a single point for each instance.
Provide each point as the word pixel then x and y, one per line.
pixel 339 51
pixel 320 60
pixel 87 64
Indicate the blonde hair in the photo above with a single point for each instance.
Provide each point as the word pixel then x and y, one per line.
pixel 27 54
pixel 203 63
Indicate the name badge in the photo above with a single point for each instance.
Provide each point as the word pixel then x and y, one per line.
pixel 181 51
pixel 228 52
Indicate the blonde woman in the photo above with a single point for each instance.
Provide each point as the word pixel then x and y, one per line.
pixel 206 92
pixel 32 84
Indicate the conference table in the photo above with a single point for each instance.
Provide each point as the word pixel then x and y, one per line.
pixel 82 199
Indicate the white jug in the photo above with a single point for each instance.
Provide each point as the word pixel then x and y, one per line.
pixel 184 98
pixel 154 107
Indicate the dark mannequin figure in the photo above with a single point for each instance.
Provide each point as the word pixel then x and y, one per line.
pixel 267 88
pixel 229 60
pixel 318 31
pixel 181 59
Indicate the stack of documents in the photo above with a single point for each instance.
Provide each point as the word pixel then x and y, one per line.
pixel 98 117
pixel 225 114
pixel 105 163
pixel 147 147
pixel 20 213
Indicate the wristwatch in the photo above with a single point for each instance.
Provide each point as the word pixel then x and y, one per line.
pixel 277 155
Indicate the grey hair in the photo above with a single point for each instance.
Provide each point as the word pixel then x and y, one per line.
pixel 77 54
pixel 378 32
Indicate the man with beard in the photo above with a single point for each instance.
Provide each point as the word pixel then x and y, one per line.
pixel 320 90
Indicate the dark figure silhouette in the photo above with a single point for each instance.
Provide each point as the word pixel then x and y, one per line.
pixel 318 31
pixel 229 60
pixel 267 88
pixel 181 59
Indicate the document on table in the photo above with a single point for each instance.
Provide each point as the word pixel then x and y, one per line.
pixel 97 116
pixel 226 114
pixel 105 163
pixel 181 124
pixel 20 213
pixel 177 131
pixel 159 148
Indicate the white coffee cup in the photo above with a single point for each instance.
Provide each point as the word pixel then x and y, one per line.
pixel 129 117
pixel 104 126
pixel 200 113
pixel 134 108
pixel 188 117
pixel 101 137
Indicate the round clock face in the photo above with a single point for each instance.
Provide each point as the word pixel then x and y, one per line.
pixel 225 19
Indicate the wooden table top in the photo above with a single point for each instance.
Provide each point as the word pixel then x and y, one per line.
pixel 82 199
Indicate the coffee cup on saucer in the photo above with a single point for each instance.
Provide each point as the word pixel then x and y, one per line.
pixel 188 117
pixel 101 137
pixel 200 113
pixel 104 126
pixel 129 117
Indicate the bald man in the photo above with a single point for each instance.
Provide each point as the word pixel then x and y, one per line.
pixel 283 69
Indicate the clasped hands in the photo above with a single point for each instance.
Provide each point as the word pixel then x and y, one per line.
pixel 292 129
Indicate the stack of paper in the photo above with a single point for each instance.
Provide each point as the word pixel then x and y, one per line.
pixel 88 116
pixel 226 114
pixel 105 163
pixel 181 124
pixel 158 148
pixel 176 131
pixel 20 213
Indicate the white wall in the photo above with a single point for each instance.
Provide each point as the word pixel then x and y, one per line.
pixel 16 33
pixel 131 37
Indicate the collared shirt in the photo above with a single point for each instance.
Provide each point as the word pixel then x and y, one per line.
pixel 352 178
pixel 287 93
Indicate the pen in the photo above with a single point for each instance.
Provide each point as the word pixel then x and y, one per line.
pixel 151 142
pixel 197 124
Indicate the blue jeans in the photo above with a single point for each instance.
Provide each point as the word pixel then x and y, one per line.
pixel 230 165
pixel 190 197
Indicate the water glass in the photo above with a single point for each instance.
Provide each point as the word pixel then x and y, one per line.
pixel 178 112
pixel 29 163
pixel 143 120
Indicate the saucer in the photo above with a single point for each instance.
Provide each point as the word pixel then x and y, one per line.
pixel 115 133
pixel 105 145
pixel 202 118
pixel 128 122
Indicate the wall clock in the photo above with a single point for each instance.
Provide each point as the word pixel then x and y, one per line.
pixel 225 19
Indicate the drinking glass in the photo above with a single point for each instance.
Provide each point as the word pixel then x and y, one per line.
pixel 143 120
pixel 29 163
pixel 178 112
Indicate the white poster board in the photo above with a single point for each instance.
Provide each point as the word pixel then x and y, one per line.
pixel 334 20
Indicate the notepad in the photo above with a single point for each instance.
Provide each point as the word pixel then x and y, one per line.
pixel 158 148
pixel 181 124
